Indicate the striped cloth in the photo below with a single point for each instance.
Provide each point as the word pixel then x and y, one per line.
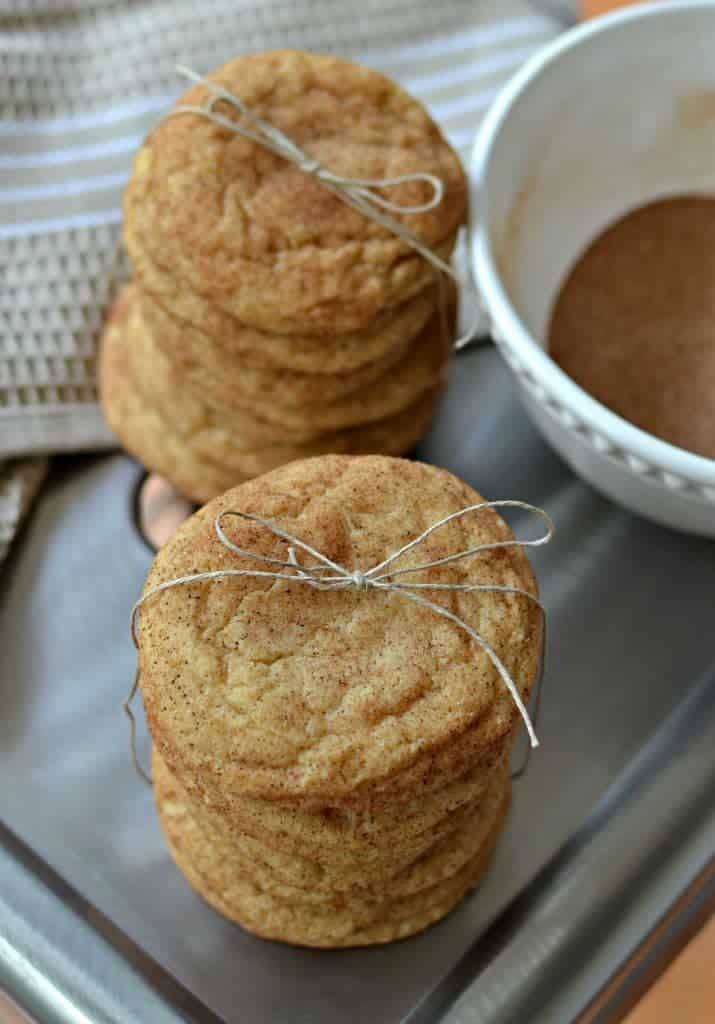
pixel 82 81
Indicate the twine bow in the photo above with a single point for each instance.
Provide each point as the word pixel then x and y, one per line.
pixel 359 193
pixel 325 574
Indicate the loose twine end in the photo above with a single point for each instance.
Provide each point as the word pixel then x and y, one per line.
pixel 127 708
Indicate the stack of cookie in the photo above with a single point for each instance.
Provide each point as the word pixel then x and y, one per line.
pixel 268 320
pixel 331 767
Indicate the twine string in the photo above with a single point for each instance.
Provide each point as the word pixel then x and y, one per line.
pixel 360 194
pixel 127 709
pixel 520 769
pixel 325 574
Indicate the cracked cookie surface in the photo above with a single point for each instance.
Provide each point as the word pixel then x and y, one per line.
pixel 274 689
pixel 270 244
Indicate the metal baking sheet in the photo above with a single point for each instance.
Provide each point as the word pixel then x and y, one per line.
pixel 630 608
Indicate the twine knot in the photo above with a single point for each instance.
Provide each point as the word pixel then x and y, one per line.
pixel 360 580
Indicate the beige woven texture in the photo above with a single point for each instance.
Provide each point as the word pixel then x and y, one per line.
pixel 80 85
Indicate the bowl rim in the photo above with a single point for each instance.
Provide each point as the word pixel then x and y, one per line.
pixel 668 457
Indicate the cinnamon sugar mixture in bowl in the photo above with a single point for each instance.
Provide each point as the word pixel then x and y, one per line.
pixel 634 321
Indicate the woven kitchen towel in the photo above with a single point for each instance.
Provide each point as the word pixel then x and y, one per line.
pixel 81 82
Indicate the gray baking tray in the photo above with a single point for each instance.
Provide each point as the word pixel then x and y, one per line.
pixel 610 824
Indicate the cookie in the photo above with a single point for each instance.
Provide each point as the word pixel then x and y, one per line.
pixel 205 460
pixel 140 428
pixel 212 872
pixel 273 689
pixel 243 903
pixel 401 872
pixel 394 435
pixel 267 242
pixel 211 370
pixel 360 843
pixel 421 370
pixel 209 334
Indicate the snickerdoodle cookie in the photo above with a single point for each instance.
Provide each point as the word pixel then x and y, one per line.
pixel 177 435
pixel 331 764
pixel 406 863
pixel 264 910
pixel 361 843
pixel 421 369
pixel 210 335
pixel 303 693
pixel 140 427
pixel 210 368
pixel 275 312
pixel 267 242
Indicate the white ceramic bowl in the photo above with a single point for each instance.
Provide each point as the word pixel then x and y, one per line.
pixel 613 114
